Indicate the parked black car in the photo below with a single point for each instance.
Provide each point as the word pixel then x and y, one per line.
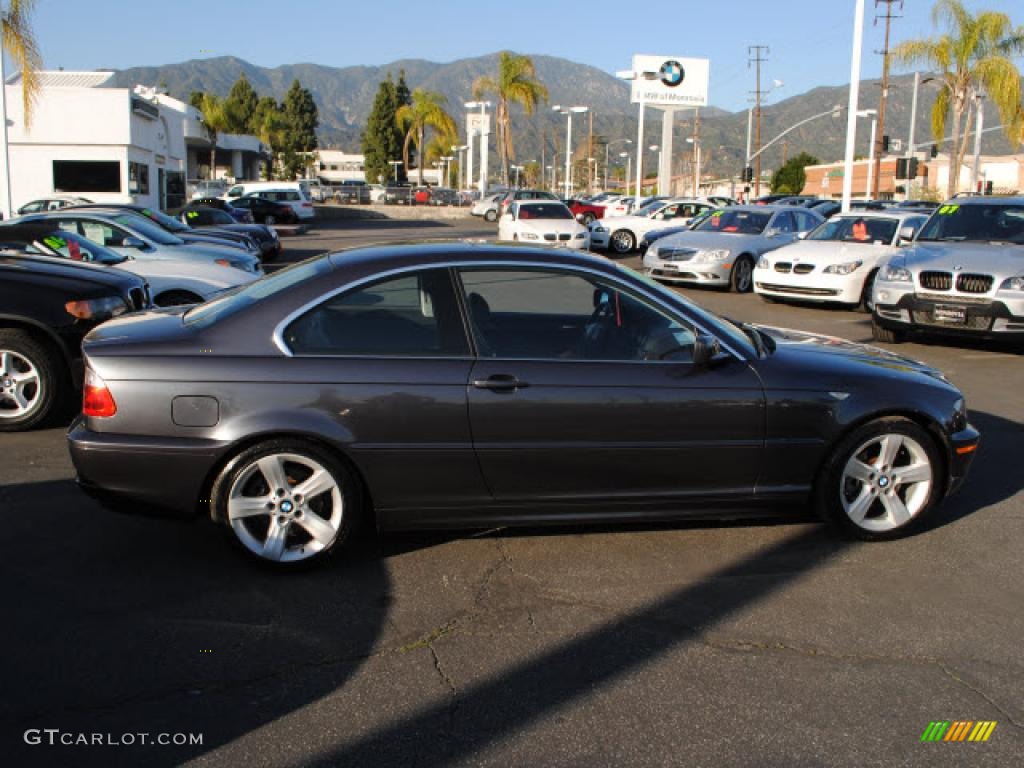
pixel 219 236
pixel 459 385
pixel 46 307
pixel 240 213
pixel 261 210
pixel 202 218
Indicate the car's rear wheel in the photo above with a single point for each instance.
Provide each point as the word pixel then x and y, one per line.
pixel 741 279
pixel 885 335
pixel 622 241
pixel 177 298
pixel 286 502
pixel 882 480
pixel 32 378
pixel 491 215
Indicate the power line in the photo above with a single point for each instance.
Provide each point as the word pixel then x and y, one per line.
pixel 880 135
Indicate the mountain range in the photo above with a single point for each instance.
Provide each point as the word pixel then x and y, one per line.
pixel 345 95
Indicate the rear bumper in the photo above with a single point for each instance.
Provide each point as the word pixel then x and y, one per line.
pixel 142 474
pixel 963 447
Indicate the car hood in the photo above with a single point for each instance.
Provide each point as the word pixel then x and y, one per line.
pixel 559 226
pixel 834 359
pixel 216 276
pixel 831 251
pixel 998 260
pixel 709 240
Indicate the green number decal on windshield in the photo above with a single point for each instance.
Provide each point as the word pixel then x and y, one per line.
pixel 192 214
pixel 947 210
pixel 55 242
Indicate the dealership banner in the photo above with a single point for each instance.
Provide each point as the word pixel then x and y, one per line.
pixel 671 81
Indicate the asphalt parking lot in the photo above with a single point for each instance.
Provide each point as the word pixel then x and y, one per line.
pixel 735 644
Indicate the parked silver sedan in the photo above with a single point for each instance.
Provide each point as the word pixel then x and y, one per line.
pixel 723 249
pixel 963 275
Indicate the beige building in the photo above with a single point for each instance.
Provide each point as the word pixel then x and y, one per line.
pixel 827 180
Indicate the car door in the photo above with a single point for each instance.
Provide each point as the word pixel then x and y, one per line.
pixel 389 361
pixel 569 399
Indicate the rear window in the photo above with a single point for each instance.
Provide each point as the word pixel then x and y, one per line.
pixel 234 301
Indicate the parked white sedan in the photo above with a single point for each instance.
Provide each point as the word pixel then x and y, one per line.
pixel 545 222
pixel 623 234
pixel 837 261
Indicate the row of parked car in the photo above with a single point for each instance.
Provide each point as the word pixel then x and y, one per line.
pixel 956 267
pixel 64 270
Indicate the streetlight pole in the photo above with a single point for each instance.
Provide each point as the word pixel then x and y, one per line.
pixel 568 112
pixel 851 114
pixel 653 148
pixel 976 169
pixel 606 148
pixel 394 164
pixel 872 113
pixel 632 74
pixel 629 160
pixel 485 134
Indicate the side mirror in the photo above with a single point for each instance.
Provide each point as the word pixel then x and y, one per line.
pixel 133 242
pixel 906 234
pixel 705 349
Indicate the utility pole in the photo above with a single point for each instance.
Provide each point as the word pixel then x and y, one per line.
pixel 756 54
pixel 888 16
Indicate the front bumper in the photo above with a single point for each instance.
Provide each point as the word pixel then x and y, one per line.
pixel 599 239
pixel 963 447
pixel 814 286
pixel 899 306
pixel 702 272
pixel 142 474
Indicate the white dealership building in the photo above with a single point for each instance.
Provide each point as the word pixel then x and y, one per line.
pixel 114 144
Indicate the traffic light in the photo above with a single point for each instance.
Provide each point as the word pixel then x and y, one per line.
pixel 885 142
pixel 748 174
pixel 906 168
pixel 988 187
pixel 935 150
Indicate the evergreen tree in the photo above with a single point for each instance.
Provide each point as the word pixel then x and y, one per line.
pixel 791 178
pixel 301 114
pixel 381 140
pixel 240 106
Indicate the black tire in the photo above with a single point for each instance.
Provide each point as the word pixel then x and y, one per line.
pixel 886 335
pixel 340 470
pixel 491 215
pixel 588 218
pixel 177 299
pixel 741 278
pixel 866 302
pixel 48 396
pixel 827 498
pixel 622 241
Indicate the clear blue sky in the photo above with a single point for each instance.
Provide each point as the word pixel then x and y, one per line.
pixel 809 39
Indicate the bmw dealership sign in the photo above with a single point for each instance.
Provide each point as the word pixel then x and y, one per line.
pixel 671 81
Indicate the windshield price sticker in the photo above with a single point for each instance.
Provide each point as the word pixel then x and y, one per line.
pixel 55 242
pixel 947 210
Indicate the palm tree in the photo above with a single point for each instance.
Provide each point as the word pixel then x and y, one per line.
pixel 973 57
pixel 19 43
pixel 215 120
pixel 516 83
pixel 426 111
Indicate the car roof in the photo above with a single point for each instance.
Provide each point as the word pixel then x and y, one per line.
pixel 886 213
pixel 383 258
pixel 986 199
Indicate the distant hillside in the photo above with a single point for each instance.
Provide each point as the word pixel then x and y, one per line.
pixel 344 97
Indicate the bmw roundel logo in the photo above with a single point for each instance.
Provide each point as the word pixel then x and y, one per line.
pixel 672 73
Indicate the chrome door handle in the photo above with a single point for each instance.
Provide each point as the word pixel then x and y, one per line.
pixel 500 383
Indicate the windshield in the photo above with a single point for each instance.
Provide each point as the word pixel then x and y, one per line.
pixel 719 325
pixel 544 211
pixel 650 209
pixel 985 222
pixel 237 299
pixel 167 222
pixel 735 221
pixel 147 228
pixel 857 229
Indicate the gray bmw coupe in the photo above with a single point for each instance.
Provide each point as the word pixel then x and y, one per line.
pixel 458 385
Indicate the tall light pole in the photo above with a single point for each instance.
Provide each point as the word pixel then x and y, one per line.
pixel 568 112
pixel 696 163
pixel 629 160
pixel 632 74
pixel 873 114
pixel 606 147
pixel 976 168
pixel 750 126
pixel 394 168
pixel 851 112
pixel 458 150
pixel 485 134
pixel 654 148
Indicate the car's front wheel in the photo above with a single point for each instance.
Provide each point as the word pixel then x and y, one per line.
pixel 286 502
pixel 741 279
pixel 885 335
pixel 622 241
pixel 882 479
pixel 32 378
pixel 491 216
pixel 588 218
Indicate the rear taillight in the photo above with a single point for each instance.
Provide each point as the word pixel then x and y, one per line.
pixel 97 401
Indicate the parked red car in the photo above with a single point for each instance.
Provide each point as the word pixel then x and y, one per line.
pixel 421 196
pixel 589 211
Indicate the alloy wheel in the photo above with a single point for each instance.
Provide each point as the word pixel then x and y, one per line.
pixel 744 275
pixel 285 507
pixel 20 385
pixel 622 241
pixel 886 482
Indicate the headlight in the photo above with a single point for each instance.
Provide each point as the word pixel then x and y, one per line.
pixel 96 309
pixel 895 274
pixel 959 415
pixel 527 236
pixel 719 255
pixel 1012 284
pixel 581 235
pixel 245 266
pixel 844 268
pixel 763 263
pixel 598 229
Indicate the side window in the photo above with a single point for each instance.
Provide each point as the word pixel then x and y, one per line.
pixel 548 315
pixel 292 195
pixel 784 222
pixel 669 212
pixel 33 207
pixel 235 192
pixel 804 222
pixel 413 315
